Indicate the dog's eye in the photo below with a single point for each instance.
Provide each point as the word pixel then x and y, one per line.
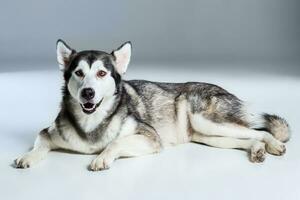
pixel 79 73
pixel 101 73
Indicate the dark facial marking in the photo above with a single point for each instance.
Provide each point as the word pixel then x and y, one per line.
pixel 90 57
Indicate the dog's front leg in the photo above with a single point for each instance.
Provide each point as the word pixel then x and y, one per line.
pixel 127 146
pixel 42 146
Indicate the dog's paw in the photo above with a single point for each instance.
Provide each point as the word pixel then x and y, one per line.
pixel 258 152
pixel 101 162
pixel 276 147
pixel 26 161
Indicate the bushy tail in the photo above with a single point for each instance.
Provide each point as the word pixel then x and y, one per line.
pixel 277 126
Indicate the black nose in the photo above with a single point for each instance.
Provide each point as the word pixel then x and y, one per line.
pixel 87 93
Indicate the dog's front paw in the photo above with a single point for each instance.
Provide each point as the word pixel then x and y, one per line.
pixel 26 161
pixel 101 162
pixel 258 152
pixel 276 148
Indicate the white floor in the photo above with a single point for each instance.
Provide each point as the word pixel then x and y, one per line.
pixel 30 100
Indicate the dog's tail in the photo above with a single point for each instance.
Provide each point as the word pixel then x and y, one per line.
pixel 274 124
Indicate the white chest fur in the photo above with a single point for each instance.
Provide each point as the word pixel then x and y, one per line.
pixel 89 122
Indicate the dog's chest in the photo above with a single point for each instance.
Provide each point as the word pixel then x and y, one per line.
pixel 89 123
pixel 104 134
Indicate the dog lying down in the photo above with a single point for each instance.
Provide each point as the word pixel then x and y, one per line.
pixel 103 114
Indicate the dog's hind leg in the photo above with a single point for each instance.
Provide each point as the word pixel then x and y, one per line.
pixel 207 127
pixel 255 148
pixel 42 146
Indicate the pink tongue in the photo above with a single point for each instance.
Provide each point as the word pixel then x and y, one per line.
pixel 88 105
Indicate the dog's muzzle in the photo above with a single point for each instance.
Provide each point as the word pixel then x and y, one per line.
pixel 89 107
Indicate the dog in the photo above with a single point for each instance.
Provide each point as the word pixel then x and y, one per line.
pixel 103 114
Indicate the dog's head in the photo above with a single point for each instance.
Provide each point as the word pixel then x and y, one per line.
pixel 92 75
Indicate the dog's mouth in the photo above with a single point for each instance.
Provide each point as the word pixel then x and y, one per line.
pixel 89 107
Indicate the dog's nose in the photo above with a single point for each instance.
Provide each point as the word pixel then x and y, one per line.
pixel 88 93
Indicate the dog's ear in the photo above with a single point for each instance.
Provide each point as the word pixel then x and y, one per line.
pixel 122 55
pixel 64 53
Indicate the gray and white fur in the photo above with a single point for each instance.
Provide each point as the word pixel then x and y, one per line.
pixel 103 114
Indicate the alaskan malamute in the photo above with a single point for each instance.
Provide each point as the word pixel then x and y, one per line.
pixel 103 114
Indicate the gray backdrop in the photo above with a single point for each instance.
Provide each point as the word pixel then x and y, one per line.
pixel 161 31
